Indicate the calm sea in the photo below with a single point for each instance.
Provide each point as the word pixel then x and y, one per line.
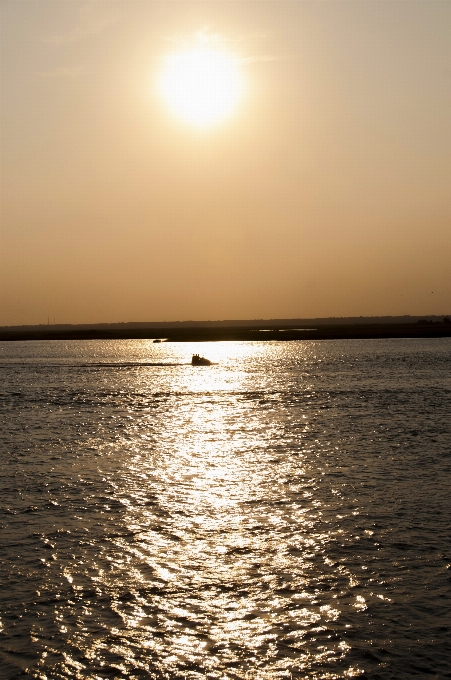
pixel 284 513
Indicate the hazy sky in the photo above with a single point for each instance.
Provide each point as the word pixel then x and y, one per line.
pixel 325 192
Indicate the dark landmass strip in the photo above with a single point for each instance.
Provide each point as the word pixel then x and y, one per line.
pixel 234 323
pixel 182 332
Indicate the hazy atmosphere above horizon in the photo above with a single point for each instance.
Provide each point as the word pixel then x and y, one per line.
pixel 166 160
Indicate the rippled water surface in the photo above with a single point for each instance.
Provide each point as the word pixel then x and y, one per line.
pixel 284 513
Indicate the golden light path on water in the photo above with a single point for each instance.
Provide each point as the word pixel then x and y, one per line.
pixel 279 514
pixel 222 570
pixel 282 513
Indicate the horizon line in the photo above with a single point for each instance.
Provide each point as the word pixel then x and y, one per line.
pixel 207 322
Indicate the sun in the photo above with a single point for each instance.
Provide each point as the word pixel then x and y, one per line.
pixel 201 86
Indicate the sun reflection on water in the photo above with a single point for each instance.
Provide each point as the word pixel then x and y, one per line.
pixel 161 520
pixel 223 573
pixel 205 521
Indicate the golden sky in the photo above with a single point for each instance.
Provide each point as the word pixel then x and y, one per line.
pixel 321 188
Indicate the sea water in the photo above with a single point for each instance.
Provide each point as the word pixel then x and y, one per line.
pixel 283 513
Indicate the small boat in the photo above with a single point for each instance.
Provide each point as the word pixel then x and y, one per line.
pixel 157 340
pixel 200 361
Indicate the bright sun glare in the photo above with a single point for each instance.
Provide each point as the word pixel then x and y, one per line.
pixel 202 86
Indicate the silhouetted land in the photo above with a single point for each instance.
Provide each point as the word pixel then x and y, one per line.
pixel 292 329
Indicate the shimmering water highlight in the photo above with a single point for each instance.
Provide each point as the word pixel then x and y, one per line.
pixel 281 514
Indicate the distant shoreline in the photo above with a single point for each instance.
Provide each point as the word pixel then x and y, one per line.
pixel 260 331
pixel 237 323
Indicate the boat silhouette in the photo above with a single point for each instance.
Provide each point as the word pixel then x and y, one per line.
pixel 200 361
